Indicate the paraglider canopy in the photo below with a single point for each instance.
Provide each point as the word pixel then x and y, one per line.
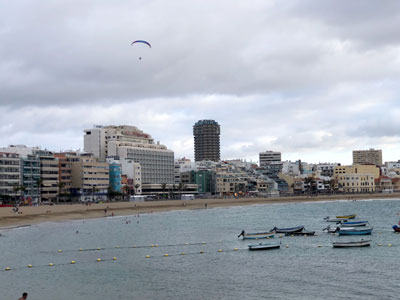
pixel 141 41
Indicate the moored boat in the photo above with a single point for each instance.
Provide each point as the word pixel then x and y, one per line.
pixel 332 229
pixel 362 243
pixel 289 229
pixel 347 217
pixel 354 223
pixel 328 219
pixel 354 230
pixel 265 246
pixel 256 235
pixel 304 233
pixel 396 228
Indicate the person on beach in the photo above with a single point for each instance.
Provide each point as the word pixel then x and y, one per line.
pixel 24 296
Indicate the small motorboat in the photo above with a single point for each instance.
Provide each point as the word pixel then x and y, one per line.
pixel 336 220
pixel 347 217
pixel 265 246
pixel 362 243
pixel 289 229
pixel 354 230
pixel 332 229
pixel 396 228
pixel 354 223
pixel 256 235
pixel 304 233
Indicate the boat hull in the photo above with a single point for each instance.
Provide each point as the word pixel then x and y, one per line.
pixel 354 231
pixel 304 233
pixel 336 220
pixel 354 224
pixel 347 217
pixel 361 243
pixel 396 228
pixel 256 236
pixel 258 247
pixel 288 230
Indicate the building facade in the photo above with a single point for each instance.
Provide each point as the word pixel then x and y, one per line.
pixel 48 175
pixel 206 140
pixel 128 143
pixel 90 178
pixel 10 177
pixel 365 157
pixel 268 157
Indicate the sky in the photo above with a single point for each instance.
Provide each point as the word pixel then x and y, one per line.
pixel 311 79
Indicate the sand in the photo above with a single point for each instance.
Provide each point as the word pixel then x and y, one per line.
pixel 63 212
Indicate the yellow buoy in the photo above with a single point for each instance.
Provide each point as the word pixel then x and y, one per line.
pixel 235 249
pixel 292 235
pixel 60 250
pixel 114 258
pixel 379 244
pixel 186 243
pixel 80 249
pixel 219 250
pixel 183 253
pixel 99 259
pixel 280 235
pixel 29 266
pixel 201 251
pixel 203 243
pixel 116 246
pixel 152 245
pixel 287 246
pixel 72 262
pixel 51 264
pixel 134 246
pixel 147 256
pixel 165 254
pixel 156 245
pixel 390 245
pixel 7 268
pixel 267 237
pixel 98 248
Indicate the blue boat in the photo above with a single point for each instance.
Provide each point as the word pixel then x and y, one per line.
pixel 355 230
pixel 354 223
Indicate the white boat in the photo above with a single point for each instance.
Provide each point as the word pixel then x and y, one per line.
pixel 362 243
pixel 256 235
pixel 265 246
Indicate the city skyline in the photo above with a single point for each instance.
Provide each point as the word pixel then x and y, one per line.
pixel 312 80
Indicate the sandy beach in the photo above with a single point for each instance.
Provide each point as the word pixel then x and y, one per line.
pixel 63 212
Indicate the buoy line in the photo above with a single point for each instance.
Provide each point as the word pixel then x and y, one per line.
pixel 135 246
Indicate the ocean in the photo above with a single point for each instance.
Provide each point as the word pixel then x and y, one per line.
pixel 191 255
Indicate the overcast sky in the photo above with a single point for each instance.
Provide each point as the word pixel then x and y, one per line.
pixel 312 79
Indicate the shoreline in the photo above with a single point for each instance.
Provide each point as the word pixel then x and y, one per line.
pixel 29 215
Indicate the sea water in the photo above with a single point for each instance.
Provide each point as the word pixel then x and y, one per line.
pixel 202 262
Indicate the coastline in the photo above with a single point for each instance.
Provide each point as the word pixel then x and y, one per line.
pixel 29 215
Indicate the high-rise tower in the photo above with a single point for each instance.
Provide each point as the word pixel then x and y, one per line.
pixel 206 140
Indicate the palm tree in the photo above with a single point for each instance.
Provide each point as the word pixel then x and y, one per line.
pixel 19 188
pixel 125 189
pixel 60 186
pixel 163 187
pixel 39 182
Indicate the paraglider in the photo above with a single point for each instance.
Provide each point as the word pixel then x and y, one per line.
pixel 141 41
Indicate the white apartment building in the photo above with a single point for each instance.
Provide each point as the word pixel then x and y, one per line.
pixel 129 143
pixel 10 176
pixel 268 157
